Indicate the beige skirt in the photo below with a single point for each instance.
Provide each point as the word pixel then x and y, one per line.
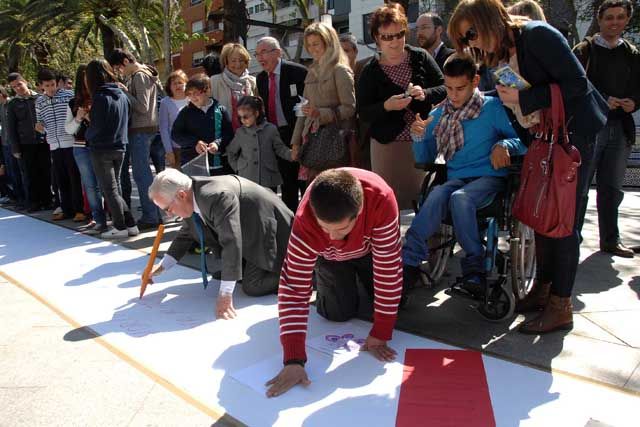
pixel 395 163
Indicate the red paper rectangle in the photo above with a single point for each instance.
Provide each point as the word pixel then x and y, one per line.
pixel 444 388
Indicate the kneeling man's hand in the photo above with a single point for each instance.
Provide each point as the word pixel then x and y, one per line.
pixel 224 307
pixel 289 376
pixel 379 349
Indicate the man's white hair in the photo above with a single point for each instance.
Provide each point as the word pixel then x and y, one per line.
pixel 271 42
pixel 168 182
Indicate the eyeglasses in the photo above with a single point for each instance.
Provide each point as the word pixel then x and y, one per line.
pixel 390 37
pixel 244 117
pixel 470 35
pixel 264 52
pixel 168 208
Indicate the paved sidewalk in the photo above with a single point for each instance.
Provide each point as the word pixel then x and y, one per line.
pixel 47 380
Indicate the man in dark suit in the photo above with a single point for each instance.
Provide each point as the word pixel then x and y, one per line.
pixel 286 79
pixel 240 220
pixel 429 32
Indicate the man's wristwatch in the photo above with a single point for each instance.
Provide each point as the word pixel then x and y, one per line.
pixel 295 362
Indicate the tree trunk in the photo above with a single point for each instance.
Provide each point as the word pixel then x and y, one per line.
pixel 108 39
pixel 166 40
pixel 594 27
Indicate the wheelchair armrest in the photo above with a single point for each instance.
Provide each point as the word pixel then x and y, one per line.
pixel 432 167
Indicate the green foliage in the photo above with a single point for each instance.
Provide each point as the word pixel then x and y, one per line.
pixel 62 34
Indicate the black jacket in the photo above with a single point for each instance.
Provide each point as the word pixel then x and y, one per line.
pixel 544 57
pixel 21 122
pixel 622 77
pixel 444 53
pixel 290 73
pixel 193 125
pixel 109 118
pixel 374 88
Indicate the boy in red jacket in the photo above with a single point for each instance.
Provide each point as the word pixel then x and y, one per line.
pixel 348 223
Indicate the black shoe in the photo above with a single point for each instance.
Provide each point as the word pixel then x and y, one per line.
pixel 618 250
pixel 473 284
pixel 410 277
pixel 217 275
pixel 145 226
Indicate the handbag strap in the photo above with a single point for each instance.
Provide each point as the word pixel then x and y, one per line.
pixel 559 126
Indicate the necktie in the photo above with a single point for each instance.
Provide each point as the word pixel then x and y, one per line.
pixel 197 221
pixel 273 115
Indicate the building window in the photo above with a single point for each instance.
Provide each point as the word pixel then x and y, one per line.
pixel 195 2
pixel 197 27
pixel 250 10
pixel 197 58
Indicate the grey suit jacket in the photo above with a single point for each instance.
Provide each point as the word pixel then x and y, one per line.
pixel 244 220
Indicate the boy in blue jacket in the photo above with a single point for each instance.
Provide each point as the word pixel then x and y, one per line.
pixel 474 136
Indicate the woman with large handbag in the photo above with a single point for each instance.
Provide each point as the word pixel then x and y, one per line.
pixel 322 133
pixel 541 55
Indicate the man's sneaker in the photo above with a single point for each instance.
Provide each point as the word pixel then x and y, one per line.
pixel 57 211
pixel 145 226
pixel 5 199
pixel 58 216
pixel 79 217
pixel 96 229
pixel 133 231
pixel 114 233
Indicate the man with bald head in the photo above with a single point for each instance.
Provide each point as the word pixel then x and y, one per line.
pixel 280 84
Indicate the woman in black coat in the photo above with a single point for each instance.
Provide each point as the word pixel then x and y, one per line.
pixel 403 82
pixel 542 56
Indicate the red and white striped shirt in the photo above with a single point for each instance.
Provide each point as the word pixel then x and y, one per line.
pixel 377 231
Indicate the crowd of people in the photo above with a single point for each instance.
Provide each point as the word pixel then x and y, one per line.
pixel 336 225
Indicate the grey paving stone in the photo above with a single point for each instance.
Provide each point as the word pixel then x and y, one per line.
pixel 623 323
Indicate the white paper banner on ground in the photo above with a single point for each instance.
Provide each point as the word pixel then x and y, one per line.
pixel 173 333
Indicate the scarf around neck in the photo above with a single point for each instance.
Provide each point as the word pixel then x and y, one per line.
pixel 240 85
pixel 448 132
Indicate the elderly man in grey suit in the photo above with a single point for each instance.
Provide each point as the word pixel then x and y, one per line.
pixel 238 219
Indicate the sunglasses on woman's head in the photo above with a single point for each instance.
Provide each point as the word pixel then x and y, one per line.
pixel 470 35
pixel 389 37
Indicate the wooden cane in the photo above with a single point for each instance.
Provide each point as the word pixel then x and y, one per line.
pixel 152 257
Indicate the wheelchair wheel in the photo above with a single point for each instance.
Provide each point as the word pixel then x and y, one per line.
pixel 439 251
pixel 500 304
pixel 523 259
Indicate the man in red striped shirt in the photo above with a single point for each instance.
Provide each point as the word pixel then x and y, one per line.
pixel 347 227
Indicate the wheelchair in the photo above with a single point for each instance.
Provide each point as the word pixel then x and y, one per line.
pixel 509 264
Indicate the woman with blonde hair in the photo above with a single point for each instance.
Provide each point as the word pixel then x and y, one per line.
pixel 329 90
pixel 529 8
pixel 234 82
pixel 170 106
pixel 541 55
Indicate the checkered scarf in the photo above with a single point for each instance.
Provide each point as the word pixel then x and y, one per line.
pixel 448 132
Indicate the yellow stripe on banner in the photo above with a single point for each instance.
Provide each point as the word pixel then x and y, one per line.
pixel 218 414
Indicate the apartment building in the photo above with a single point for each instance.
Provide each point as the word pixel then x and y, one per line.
pixel 196 18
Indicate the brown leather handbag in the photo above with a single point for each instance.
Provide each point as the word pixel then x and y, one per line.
pixel 546 199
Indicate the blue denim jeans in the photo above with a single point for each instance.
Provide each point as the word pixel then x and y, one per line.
pixel 90 184
pixel 460 198
pixel 139 151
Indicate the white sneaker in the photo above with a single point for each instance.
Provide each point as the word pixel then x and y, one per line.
pixel 57 211
pixel 114 233
pixel 133 231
